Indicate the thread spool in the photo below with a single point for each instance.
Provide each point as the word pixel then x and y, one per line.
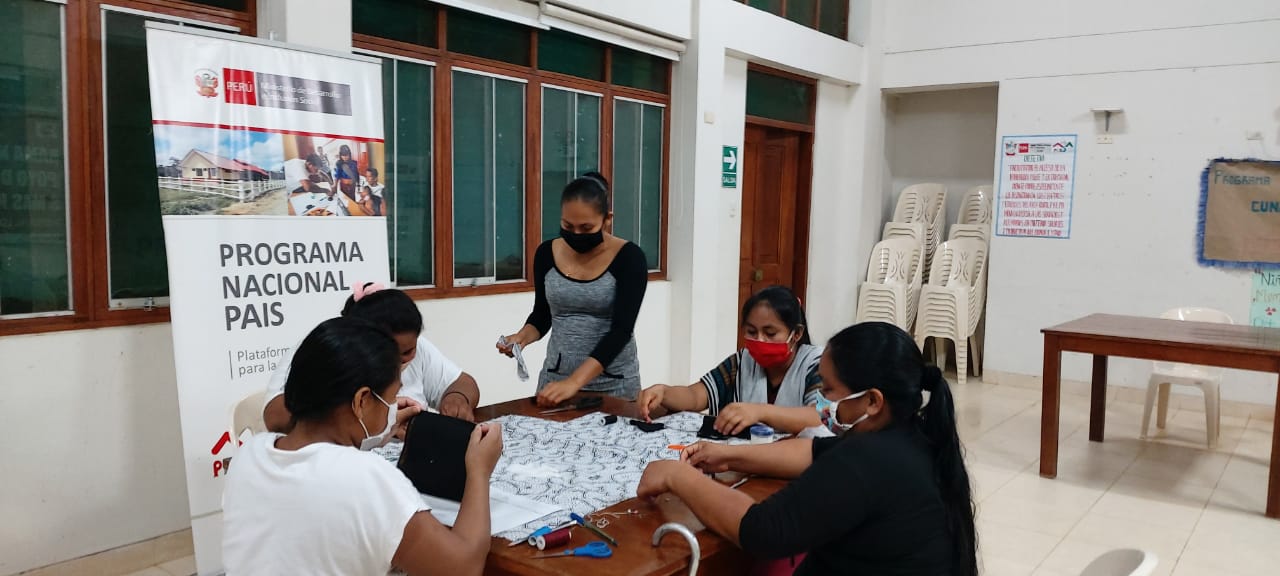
pixel 555 539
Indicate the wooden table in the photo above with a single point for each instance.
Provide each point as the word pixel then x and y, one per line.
pixel 635 554
pixel 1105 335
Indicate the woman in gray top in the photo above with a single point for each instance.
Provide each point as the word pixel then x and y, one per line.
pixel 589 287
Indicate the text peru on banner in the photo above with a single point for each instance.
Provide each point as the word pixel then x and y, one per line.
pixel 268 161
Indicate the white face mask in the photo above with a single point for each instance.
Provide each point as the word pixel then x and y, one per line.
pixel 827 413
pixel 373 441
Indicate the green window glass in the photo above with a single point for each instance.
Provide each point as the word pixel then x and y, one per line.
pixel 638 175
pixel 488 178
pixel 136 255
pixel 478 35
pixel 407 90
pixel 34 274
pixel 570 54
pixel 639 70
pixel 570 147
pixel 770 6
pixel 833 18
pixel 803 12
pixel 228 4
pixel 779 98
pixel 411 21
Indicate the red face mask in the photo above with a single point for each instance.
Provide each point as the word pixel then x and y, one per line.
pixel 769 354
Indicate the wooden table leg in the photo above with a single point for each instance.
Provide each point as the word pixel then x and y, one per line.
pixel 1098 399
pixel 1051 398
pixel 1273 483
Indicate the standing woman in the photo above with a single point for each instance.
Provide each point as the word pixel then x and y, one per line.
pixel 589 285
pixel 889 495
pixel 347 172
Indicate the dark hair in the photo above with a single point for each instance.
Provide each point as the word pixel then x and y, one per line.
pixel 344 149
pixel 338 358
pixel 391 309
pixel 315 160
pixel 373 171
pixel 882 356
pixel 784 303
pixel 591 188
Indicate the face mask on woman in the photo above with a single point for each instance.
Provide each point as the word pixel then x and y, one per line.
pixel 373 441
pixel 827 413
pixel 582 243
pixel 770 354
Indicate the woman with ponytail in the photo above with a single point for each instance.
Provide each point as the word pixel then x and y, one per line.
pixel 888 495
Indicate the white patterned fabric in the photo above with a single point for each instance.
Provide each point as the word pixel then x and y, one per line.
pixel 581 465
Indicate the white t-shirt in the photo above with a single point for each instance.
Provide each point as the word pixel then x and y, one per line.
pixel 322 509
pixel 425 379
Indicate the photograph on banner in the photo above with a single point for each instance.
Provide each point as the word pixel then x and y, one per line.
pixel 213 171
pixel 334 176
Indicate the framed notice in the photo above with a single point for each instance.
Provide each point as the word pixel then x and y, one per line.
pixel 1239 224
pixel 1037 183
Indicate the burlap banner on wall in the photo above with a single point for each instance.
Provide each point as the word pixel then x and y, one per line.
pixel 1240 214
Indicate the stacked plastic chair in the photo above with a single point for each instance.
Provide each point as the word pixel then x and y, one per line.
pixel 892 289
pixel 951 303
pixel 925 203
pixel 975 206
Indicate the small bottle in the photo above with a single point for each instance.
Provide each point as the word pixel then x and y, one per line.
pixel 761 434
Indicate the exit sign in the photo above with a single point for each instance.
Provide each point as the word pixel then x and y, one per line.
pixel 729 167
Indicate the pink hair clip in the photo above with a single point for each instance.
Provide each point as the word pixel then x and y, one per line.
pixel 361 289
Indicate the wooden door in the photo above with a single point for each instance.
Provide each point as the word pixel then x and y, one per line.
pixel 774 210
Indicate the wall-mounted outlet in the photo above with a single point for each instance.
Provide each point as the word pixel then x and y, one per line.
pixel 1105 139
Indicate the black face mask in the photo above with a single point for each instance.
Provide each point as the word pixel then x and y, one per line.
pixel 582 243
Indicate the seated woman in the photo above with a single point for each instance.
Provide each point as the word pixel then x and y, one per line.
pixel 429 378
pixel 317 502
pixel 773 380
pixel 889 495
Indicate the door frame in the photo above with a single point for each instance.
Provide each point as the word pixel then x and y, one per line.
pixel 804 202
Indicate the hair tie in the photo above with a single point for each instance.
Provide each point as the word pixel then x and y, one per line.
pixel 361 289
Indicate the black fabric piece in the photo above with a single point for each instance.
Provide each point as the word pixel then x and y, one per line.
pixel 648 426
pixel 434 455
pixel 709 431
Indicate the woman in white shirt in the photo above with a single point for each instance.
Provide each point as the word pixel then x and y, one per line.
pixel 429 377
pixel 317 502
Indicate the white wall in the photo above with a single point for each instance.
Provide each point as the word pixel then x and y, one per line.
pixel 666 17
pixel 92 455
pixel 1132 246
pixel 940 136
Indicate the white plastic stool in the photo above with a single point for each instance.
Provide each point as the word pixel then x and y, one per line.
pixel 1166 374
pixel 1122 562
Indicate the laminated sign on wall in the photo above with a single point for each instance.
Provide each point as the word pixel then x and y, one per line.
pixel 272 210
pixel 1240 214
pixel 1037 182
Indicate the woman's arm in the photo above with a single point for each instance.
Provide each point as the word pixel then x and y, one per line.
pixel 539 322
pixel 719 507
pixel 784 459
pixel 790 420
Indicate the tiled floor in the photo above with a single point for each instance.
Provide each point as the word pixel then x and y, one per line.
pixel 1200 510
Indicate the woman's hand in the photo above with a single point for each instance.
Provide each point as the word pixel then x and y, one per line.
pixel 657 478
pixel 738 416
pixel 557 392
pixel 457 406
pixel 505 344
pixel 484 449
pixel 406 409
pixel 651 398
pixel 708 457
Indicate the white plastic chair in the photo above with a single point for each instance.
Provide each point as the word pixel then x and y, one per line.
pixel 892 289
pixel 979 231
pixel 1206 378
pixel 975 206
pixel 951 303
pixel 1123 562
pixel 911 204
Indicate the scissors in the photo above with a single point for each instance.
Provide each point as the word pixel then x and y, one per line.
pixel 595 549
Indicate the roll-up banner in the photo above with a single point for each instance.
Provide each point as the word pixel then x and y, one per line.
pixel 269 161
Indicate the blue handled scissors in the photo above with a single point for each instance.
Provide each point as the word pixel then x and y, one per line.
pixel 595 549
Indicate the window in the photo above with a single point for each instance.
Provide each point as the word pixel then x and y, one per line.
pixel 240 5
pixel 409 181
pixel 638 175
pixel 779 98
pixel 639 70
pixel 488 178
pixel 570 54
pixel 477 35
pixel 398 20
pixel 826 16
pixel 34 260
pixel 570 146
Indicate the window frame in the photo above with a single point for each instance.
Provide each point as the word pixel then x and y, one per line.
pixel 542 124
pixel 816 24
